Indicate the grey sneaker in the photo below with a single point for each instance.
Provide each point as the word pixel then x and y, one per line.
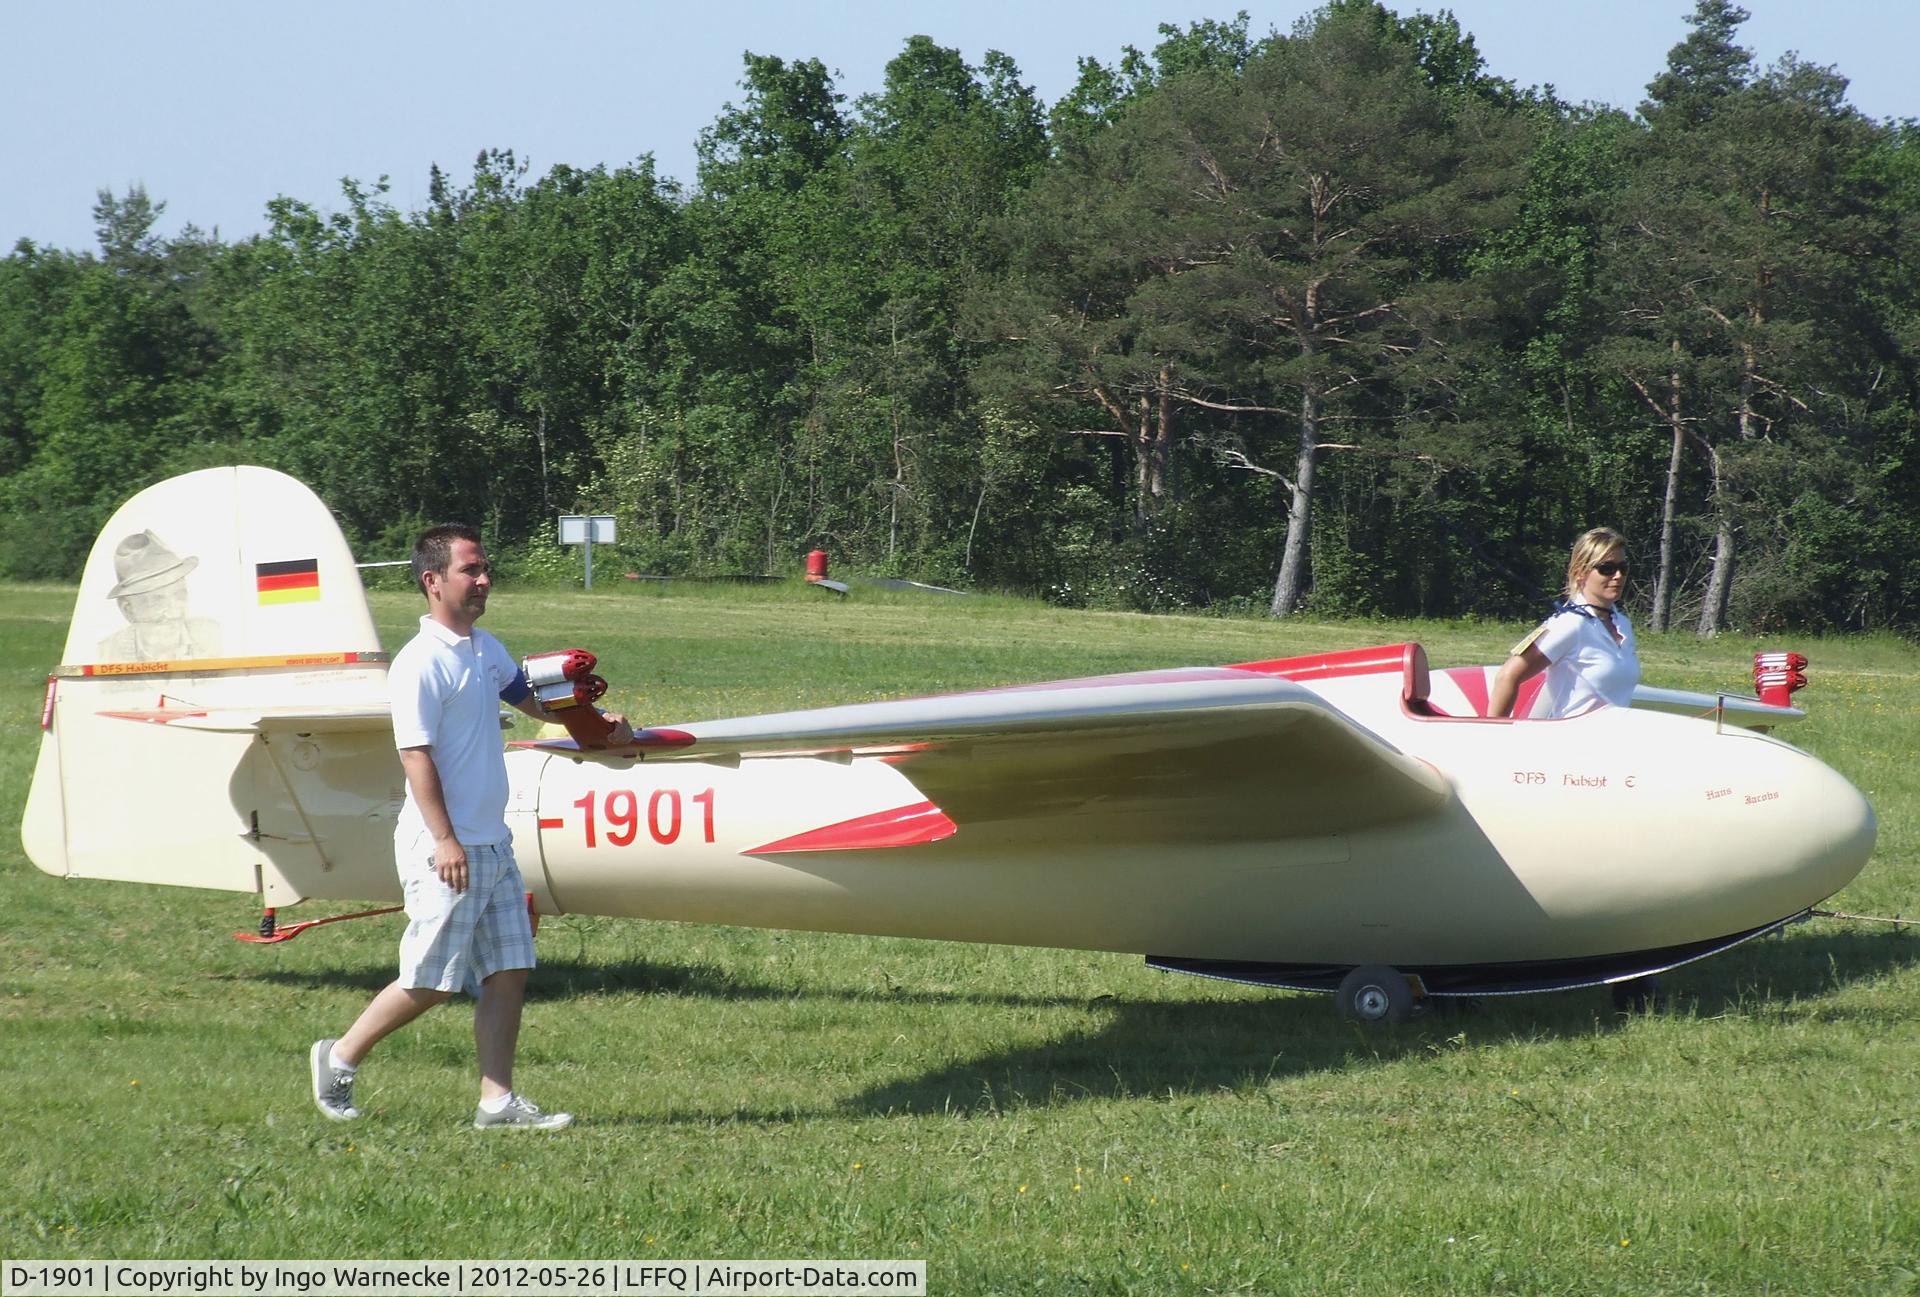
pixel 332 1088
pixel 520 1114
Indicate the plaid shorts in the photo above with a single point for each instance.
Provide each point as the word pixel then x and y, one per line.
pixel 456 940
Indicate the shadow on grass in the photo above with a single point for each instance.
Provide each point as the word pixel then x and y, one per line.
pixel 1797 964
pixel 555 979
pixel 1164 1048
pixel 1161 1049
pixel 561 978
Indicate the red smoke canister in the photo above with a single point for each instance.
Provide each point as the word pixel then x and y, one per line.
pixel 1777 676
pixel 564 682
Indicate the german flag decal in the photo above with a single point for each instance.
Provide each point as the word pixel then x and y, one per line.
pixel 294 581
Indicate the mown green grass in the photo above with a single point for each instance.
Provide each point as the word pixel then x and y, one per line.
pixel 1028 1121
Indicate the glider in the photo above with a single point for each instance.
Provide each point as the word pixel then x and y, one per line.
pixel 1347 822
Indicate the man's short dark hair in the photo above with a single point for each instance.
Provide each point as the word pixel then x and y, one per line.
pixel 434 550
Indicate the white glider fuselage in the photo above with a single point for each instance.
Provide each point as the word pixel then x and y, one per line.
pixel 1341 809
pixel 1614 831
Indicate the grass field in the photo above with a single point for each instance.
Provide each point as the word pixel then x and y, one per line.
pixel 1027 1121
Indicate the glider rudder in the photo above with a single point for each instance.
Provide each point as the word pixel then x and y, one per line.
pixel 220 695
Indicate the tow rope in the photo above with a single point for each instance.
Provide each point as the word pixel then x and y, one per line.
pixel 1896 921
pixel 271 931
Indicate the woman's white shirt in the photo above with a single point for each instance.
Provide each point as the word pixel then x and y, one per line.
pixel 1589 666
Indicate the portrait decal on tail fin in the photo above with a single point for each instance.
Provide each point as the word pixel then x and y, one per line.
pixel 152 594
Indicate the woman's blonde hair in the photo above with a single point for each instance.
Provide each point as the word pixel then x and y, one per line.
pixel 1592 547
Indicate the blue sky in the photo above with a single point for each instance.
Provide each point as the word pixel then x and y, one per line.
pixel 216 106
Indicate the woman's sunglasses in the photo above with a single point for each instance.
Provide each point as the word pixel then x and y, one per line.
pixel 1612 567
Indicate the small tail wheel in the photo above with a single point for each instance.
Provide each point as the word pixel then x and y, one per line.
pixel 1376 993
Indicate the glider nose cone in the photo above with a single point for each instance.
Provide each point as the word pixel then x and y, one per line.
pixel 1834 829
pixel 1852 831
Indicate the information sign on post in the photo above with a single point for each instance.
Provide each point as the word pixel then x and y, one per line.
pixel 586 529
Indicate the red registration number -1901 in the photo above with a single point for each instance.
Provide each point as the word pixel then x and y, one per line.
pixel 666 820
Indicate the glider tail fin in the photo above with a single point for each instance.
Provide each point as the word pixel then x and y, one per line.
pixel 221 692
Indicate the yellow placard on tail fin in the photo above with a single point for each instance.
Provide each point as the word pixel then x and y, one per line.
pixel 226 590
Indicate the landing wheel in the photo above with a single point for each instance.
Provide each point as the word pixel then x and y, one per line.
pixel 1376 993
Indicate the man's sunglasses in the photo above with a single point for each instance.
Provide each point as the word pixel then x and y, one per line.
pixel 1612 567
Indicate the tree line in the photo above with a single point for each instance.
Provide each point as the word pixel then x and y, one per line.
pixel 1333 320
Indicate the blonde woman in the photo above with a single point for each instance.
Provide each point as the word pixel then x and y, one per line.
pixel 1586 646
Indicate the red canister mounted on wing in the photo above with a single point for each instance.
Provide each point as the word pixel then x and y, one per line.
pixel 564 682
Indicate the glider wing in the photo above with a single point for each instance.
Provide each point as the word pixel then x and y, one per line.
pixel 1184 756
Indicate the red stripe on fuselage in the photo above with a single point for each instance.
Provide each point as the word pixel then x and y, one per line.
pixel 1173 676
pixel 903 826
pixel 1381 660
pixel 1389 659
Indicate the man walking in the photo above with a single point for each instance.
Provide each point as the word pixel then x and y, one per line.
pixel 466 906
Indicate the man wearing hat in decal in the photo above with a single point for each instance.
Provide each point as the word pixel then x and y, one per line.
pixel 152 593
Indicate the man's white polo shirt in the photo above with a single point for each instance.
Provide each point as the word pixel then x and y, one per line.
pixel 446 691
